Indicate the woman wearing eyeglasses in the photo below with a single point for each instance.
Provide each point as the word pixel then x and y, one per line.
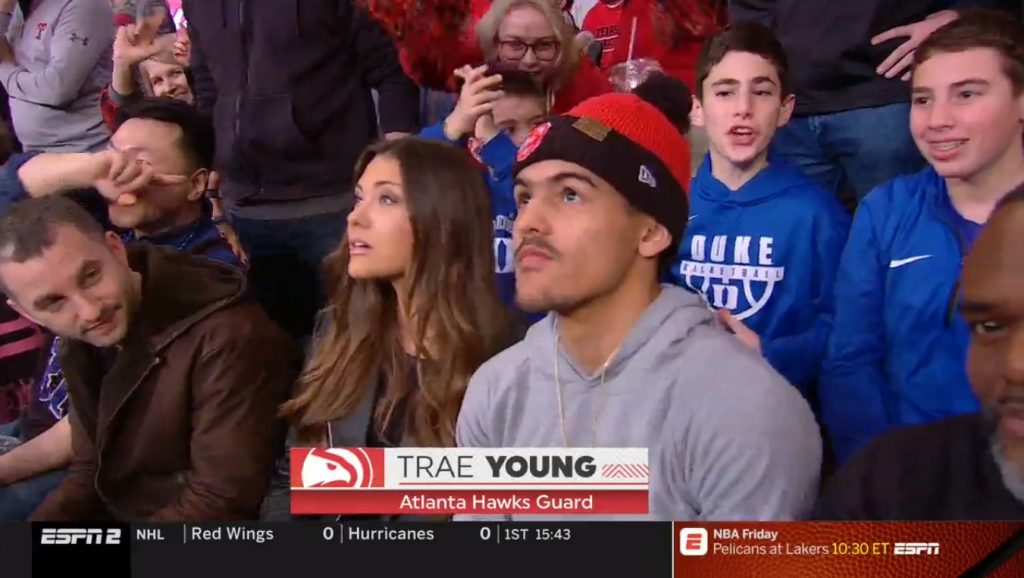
pixel 434 38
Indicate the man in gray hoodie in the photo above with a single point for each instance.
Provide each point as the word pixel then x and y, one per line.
pixel 55 58
pixel 622 361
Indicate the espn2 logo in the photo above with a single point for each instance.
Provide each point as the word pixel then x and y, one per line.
pixel 693 541
pixel 916 548
pixel 65 536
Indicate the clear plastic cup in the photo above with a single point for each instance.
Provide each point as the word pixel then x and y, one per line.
pixel 628 75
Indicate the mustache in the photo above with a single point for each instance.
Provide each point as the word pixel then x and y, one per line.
pixel 992 412
pixel 105 317
pixel 537 242
pixel 1010 401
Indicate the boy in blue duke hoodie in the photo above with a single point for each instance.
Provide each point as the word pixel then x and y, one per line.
pixel 897 354
pixel 763 240
pixel 493 116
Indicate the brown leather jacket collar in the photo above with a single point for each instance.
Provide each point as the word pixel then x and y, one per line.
pixel 185 296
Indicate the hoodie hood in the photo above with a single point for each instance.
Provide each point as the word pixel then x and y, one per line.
pixel 776 178
pixel 670 318
pixel 179 291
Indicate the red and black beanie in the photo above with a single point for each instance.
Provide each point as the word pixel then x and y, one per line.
pixel 629 143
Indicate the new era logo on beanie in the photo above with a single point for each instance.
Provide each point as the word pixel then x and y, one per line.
pixel 647 178
pixel 627 142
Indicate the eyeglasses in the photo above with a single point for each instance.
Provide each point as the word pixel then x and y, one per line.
pixel 544 49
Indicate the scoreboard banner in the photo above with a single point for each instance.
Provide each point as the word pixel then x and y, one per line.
pixel 474 549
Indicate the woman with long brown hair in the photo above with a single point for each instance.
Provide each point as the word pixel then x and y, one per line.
pixel 413 307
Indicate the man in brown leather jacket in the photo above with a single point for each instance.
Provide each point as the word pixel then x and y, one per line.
pixel 174 375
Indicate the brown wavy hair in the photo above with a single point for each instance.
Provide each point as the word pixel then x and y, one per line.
pixel 459 320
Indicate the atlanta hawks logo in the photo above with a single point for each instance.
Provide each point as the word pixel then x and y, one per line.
pixel 734 273
pixel 337 468
pixel 533 141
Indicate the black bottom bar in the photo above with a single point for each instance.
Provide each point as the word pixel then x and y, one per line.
pixel 296 550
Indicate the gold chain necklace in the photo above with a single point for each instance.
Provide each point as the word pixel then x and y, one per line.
pixel 598 411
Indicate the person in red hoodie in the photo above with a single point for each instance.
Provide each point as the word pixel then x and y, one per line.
pixel 437 37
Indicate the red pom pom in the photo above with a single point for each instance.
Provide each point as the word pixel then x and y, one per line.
pixel 421 20
pixel 676 19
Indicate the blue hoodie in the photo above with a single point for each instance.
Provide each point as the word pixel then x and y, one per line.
pixel 767 252
pixel 499 156
pixel 897 354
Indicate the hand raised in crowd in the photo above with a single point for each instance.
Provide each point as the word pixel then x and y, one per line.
pixel 150 15
pixel 475 100
pixel 119 176
pixel 739 329
pixel 898 63
pixel 132 49
pixel 182 49
pixel 486 129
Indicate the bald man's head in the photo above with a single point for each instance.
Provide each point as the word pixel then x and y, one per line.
pixel 993 305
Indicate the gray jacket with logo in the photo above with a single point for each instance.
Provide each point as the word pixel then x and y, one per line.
pixel 62 60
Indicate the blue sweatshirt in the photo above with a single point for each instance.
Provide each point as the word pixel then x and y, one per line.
pixel 897 354
pixel 499 155
pixel 768 253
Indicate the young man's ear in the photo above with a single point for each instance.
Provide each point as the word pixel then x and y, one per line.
pixel 788 103
pixel 696 113
pixel 198 184
pixel 116 246
pixel 655 240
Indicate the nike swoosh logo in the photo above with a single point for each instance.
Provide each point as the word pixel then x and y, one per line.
pixel 692 217
pixel 895 263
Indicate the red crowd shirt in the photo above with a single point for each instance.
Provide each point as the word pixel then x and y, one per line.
pixel 603 21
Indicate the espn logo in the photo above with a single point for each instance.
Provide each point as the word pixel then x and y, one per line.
pixel 693 541
pixel 96 536
pixel 916 548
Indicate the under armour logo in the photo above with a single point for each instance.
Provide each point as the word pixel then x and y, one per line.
pixel 76 38
pixel 40 28
pixel 646 177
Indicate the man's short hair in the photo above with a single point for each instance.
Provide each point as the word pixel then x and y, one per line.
pixel 28 229
pixel 981 28
pixel 197 136
pixel 748 37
